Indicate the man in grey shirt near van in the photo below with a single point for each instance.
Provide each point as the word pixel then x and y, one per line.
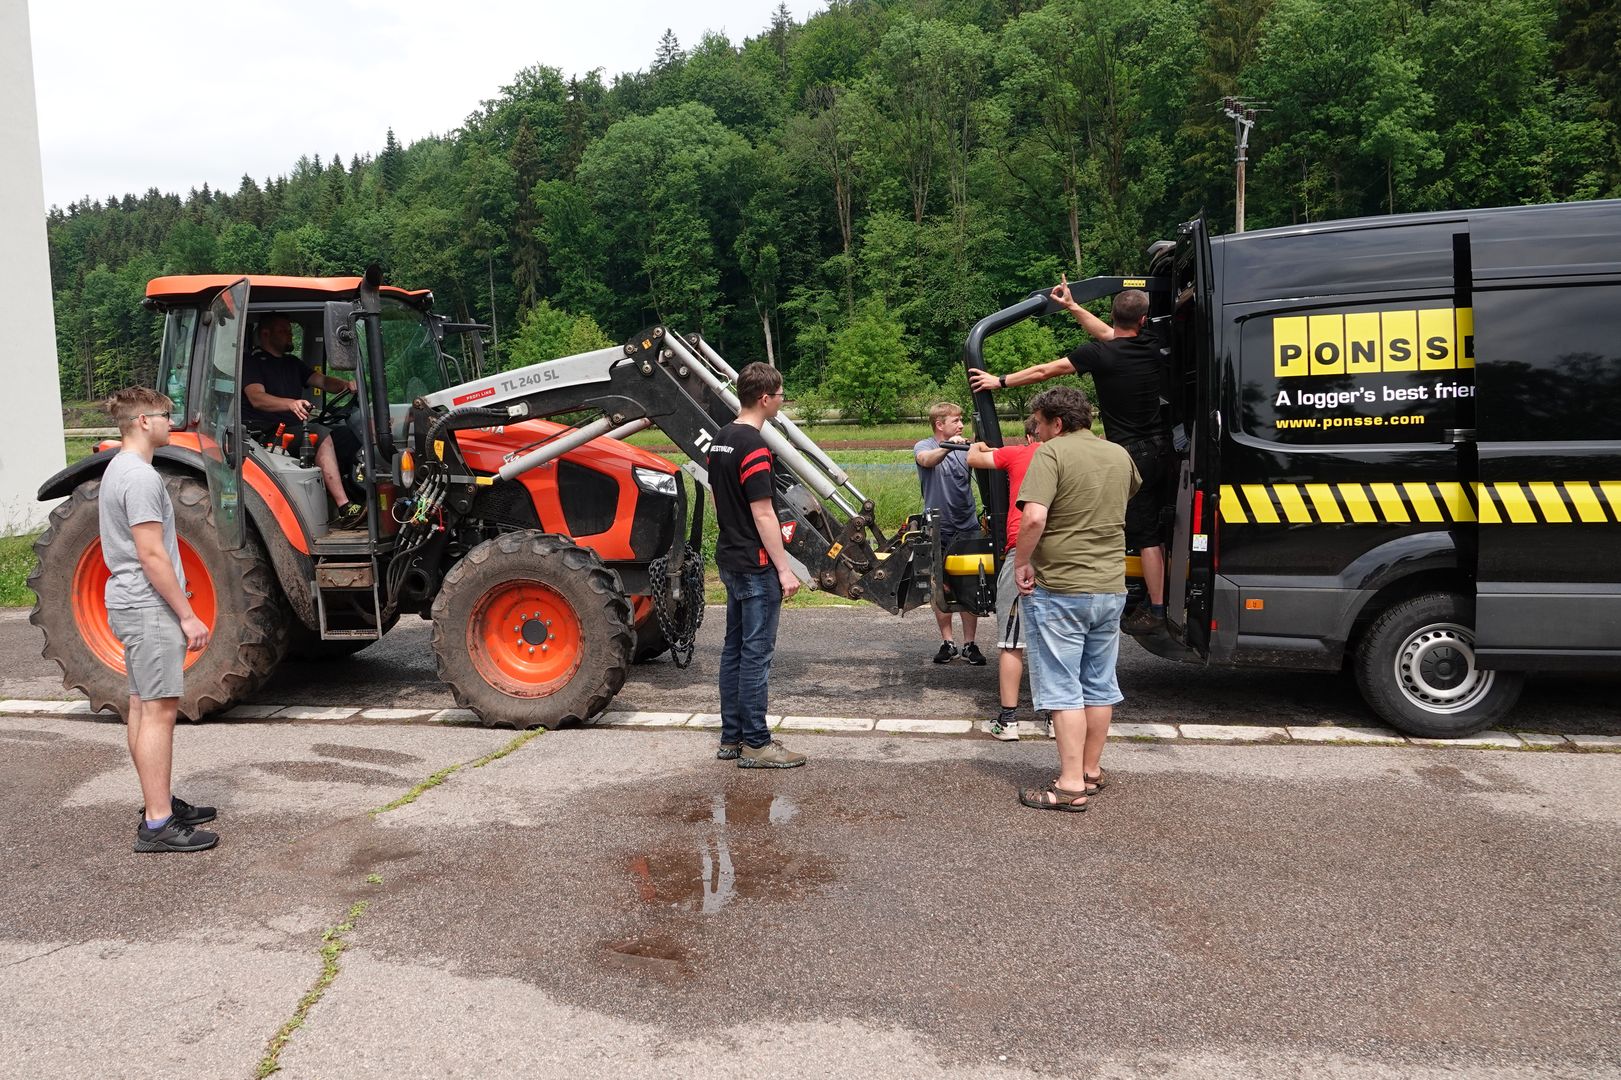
pixel 148 611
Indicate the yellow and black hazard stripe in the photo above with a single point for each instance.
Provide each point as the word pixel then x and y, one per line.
pixel 1537 502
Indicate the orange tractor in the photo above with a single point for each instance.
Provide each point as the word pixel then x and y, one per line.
pixel 542 588
pixel 502 506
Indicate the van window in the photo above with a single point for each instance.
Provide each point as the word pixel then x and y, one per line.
pixel 1551 362
pixel 1391 373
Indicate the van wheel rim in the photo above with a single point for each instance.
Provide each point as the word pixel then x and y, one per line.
pixel 1435 668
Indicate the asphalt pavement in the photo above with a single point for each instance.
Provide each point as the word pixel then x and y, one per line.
pixel 862 661
pixel 404 899
pixel 604 901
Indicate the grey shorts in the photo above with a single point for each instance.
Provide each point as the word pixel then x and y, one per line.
pixel 154 650
pixel 1009 613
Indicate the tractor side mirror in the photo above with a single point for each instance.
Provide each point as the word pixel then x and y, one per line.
pixel 342 347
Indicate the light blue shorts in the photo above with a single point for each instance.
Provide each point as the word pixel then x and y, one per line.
pixel 1073 641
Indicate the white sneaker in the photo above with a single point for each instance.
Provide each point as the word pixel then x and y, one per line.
pixel 1008 732
pixel 1046 722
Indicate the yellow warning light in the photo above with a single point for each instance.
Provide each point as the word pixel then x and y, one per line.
pixel 1254 605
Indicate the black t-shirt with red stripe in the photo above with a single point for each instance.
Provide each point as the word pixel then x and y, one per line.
pixel 740 473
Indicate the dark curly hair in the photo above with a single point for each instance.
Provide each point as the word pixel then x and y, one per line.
pixel 1066 404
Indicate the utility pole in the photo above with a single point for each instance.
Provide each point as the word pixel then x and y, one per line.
pixel 1243 117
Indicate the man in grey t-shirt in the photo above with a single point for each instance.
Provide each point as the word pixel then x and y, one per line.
pixel 149 611
pixel 942 471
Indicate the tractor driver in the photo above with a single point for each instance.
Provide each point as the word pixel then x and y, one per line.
pixel 273 382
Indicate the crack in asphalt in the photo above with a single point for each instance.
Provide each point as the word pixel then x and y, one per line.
pixel 335 939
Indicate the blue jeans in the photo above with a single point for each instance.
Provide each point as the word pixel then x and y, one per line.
pixel 1072 642
pixel 753 604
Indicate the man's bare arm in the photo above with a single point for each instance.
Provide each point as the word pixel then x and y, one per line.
pixel 1032 523
pixel 1094 326
pixel 155 564
pixel 981 456
pixel 260 398
pixel 770 530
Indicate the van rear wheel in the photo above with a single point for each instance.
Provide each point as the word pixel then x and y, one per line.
pixel 1416 667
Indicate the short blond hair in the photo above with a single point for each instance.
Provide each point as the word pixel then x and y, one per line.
pixel 942 409
pixel 127 404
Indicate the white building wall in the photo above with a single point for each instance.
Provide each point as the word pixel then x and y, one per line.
pixel 31 428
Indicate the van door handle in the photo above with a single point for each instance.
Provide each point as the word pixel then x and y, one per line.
pixel 1458 435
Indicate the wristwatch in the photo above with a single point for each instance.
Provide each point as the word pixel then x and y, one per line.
pixel 1001 380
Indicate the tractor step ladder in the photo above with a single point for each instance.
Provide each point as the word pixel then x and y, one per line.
pixel 347 601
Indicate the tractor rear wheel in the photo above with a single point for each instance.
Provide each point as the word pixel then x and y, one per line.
pixel 234 592
pixel 530 630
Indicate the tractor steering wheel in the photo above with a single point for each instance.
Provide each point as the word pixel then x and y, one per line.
pixel 336 408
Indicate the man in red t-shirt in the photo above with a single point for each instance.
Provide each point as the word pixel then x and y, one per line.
pixel 1013 460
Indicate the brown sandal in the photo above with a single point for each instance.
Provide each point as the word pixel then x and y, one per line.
pixel 1094 781
pixel 1060 799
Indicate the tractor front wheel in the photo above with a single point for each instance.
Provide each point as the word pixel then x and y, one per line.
pixel 234 592
pixel 532 630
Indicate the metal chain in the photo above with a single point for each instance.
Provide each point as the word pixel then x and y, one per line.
pixel 680 627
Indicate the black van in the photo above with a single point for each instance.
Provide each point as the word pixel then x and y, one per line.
pixel 1403 450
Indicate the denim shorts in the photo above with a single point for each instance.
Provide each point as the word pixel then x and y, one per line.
pixel 1073 642
pixel 154 650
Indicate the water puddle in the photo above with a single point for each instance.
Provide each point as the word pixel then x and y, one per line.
pixel 736 855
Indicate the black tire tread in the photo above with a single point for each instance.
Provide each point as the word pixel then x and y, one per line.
pixel 573 564
pixel 1376 652
pixel 258 631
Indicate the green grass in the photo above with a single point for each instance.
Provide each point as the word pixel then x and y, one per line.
pixel 16 563
pixel 79 448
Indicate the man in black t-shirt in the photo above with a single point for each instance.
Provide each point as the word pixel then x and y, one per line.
pixel 1125 363
pixel 273 382
pixel 754 568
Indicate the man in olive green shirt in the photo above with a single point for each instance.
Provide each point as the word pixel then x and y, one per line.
pixel 1070 570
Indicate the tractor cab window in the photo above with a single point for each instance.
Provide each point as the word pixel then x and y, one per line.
pixel 410 356
pixel 174 362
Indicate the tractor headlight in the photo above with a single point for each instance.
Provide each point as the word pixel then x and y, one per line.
pixel 655 482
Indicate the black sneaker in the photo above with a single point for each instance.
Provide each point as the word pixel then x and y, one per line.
pixel 350 516
pixel 728 751
pixel 188 814
pixel 971 653
pixel 947 653
pixel 173 836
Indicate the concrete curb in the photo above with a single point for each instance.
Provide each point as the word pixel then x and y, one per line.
pixel 1231 734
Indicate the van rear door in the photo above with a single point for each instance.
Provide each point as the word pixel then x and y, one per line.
pixel 1547 321
pixel 1192 554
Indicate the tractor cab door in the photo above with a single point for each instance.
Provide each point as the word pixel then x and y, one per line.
pixel 1191 556
pixel 220 410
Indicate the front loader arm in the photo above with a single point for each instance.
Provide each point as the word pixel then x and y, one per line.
pixel 685 389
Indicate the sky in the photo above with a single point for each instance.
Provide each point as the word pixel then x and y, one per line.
pixel 172 95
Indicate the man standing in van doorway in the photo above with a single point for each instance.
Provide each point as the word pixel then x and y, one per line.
pixel 1072 586
pixel 1127 367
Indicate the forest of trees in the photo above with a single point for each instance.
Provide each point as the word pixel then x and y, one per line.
pixel 846 196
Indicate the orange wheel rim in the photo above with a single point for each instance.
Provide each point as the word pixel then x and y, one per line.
pixel 641 607
pixel 90 602
pixel 524 639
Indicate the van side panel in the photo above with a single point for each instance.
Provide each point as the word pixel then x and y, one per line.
pixel 1340 471
pixel 1547 299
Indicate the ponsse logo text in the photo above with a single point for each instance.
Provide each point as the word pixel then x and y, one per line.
pixel 1371 342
